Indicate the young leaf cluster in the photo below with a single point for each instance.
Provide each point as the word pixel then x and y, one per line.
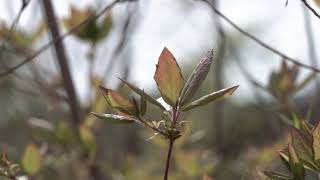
pixel 175 92
pixel 302 153
pixel 176 98
pixel 93 31
pixel 283 82
pixel 7 168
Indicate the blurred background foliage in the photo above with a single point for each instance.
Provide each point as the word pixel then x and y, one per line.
pixel 234 139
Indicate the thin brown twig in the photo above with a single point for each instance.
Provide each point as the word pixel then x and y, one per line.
pixel 260 42
pixel 14 24
pixel 63 64
pixel 311 8
pixel 310 41
pixel 61 38
pixel 166 172
pixel 121 44
pixel 7 36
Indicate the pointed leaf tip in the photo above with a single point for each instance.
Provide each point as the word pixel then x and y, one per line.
pixel 277 176
pixel 196 78
pixel 114 119
pixel 118 102
pixel 210 98
pixel 168 77
pixel 143 94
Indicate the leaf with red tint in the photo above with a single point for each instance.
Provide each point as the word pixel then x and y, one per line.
pixel 169 78
pixel 119 102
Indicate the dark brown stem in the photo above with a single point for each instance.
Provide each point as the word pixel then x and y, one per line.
pixel 61 38
pixel 63 63
pixel 310 8
pixel 166 172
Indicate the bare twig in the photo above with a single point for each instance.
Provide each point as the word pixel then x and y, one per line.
pixel 260 42
pixel 310 40
pixel 217 108
pixel 166 172
pixel 7 36
pixel 14 24
pixel 63 63
pixel 125 31
pixel 311 8
pixel 61 38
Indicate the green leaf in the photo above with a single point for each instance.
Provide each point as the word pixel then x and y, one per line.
pixel 316 143
pixel 143 106
pixel 210 98
pixel 63 133
pixel 302 144
pixel 118 102
pixel 31 159
pixel 277 176
pixel 114 119
pixel 285 159
pixel 296 121
pixel 169 78
pixel 88 139
pixel 77 16
pixel 104 29
pixel 143 94
pixel 196 78
pixel 296 166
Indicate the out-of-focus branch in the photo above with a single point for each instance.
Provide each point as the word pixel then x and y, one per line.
pixel 311 51
pixel 310 41
pixel 311 8
pixel 217 108
pixel 14 24
pixel 61 38
pixel 7 36
pixel 124 37
pixel 260 42
pixel 63 63
pixel 260 102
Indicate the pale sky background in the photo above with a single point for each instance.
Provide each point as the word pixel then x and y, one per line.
pixel 186 28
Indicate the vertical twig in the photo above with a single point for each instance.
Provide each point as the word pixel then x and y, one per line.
pixel 166 172
pixel 311 49
pixel 63 63
pixel 310 41
pixel 217 108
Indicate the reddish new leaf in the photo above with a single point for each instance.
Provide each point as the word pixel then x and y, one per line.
pixel 302 144
pixel 169 78
pixel 119 102
pixel 316 143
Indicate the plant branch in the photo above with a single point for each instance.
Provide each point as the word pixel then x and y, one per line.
pixel 310 41
pixel 61 38
pixel 63 64
pixel 14 24
pixel 7 36
pixel 311 8
pixel 166 172
pixel 217 108
pixel 260 42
